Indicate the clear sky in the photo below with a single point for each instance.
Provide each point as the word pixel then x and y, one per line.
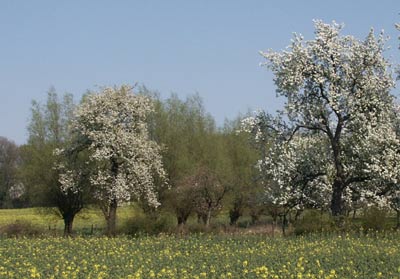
pixel 210 47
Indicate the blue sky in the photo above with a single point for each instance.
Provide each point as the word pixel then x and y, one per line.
pixel 209 47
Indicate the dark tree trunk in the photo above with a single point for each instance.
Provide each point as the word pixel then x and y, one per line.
pixel 255 217
pixel 354 214
pixel 237 210
pixel 68 222
pixel 234 215
pixel 112 218
pixel 69 204
pixel 337 198
pixel 284 223
pixel 182 218
pixel 208 218
pixel 339 181
pixel 397 219
pixel 111 213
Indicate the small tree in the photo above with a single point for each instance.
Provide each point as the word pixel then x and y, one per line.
pixel 112 124
pixel 73 184
pixel 208 192
pixel 181 200
pixel 185 131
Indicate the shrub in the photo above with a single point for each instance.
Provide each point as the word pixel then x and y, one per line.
pixel 144 224
pixel 374 219
pixel 314 221
pixel 20 228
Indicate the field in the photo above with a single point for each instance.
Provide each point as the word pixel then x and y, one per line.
pixel 47 219
pixel 202 256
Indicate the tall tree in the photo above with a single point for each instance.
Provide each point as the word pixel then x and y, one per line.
pixel 338 87
pixel 9 161
pixel 112 126
pixel 186 132
pixel 240 172
pixel 48 130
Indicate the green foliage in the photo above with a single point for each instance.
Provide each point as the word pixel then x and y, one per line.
pixel 184 129
pixel 374 219
pixel 239 170
pixel 191 143
pixel 9 163
pixel 21 229
pixel 314 221
pixel 143 224
pixel 47 130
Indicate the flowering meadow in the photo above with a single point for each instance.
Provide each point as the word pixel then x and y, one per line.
pixel 202 256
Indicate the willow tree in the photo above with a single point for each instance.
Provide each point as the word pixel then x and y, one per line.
pixel 48 129
pixel 112 126
pixel 338 87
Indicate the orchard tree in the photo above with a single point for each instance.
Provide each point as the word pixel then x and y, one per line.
pixel 338 88
pixel 207 193
pixel 73 190
pixel 181 200
pixel 112 126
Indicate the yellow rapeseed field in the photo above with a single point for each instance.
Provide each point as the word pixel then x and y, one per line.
pixel 202 256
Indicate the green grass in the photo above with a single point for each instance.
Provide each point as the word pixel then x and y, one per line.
pixel 49 219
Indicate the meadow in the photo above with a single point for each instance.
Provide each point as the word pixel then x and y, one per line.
pixel 47 219
pixel 203 256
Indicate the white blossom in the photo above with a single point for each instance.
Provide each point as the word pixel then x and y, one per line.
pixel 341 121
pixel 113 124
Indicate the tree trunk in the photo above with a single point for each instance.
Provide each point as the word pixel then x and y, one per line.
pixel 339 180
pixel 234 215
pixel 255 217
pixel 112 218
pixel 284 223
pixel 68 221
pixel 337 198
pixel 200 218
pixel 208 218
pixel 297 215
pixel 182 215
pixel 397 219
pixel 182 219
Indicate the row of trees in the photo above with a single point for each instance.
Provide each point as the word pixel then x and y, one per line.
pixel 116 147
pixel 324 150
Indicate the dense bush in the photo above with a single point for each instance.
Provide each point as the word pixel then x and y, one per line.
pixel 151 225
pixel 375 219
pixel 314 221
pixel 21 228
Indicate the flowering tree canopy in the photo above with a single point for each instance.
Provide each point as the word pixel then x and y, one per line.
pixel 112 126
pixel 338 107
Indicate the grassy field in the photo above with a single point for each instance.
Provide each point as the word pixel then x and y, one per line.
pixel 202 256
pixel 48 219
